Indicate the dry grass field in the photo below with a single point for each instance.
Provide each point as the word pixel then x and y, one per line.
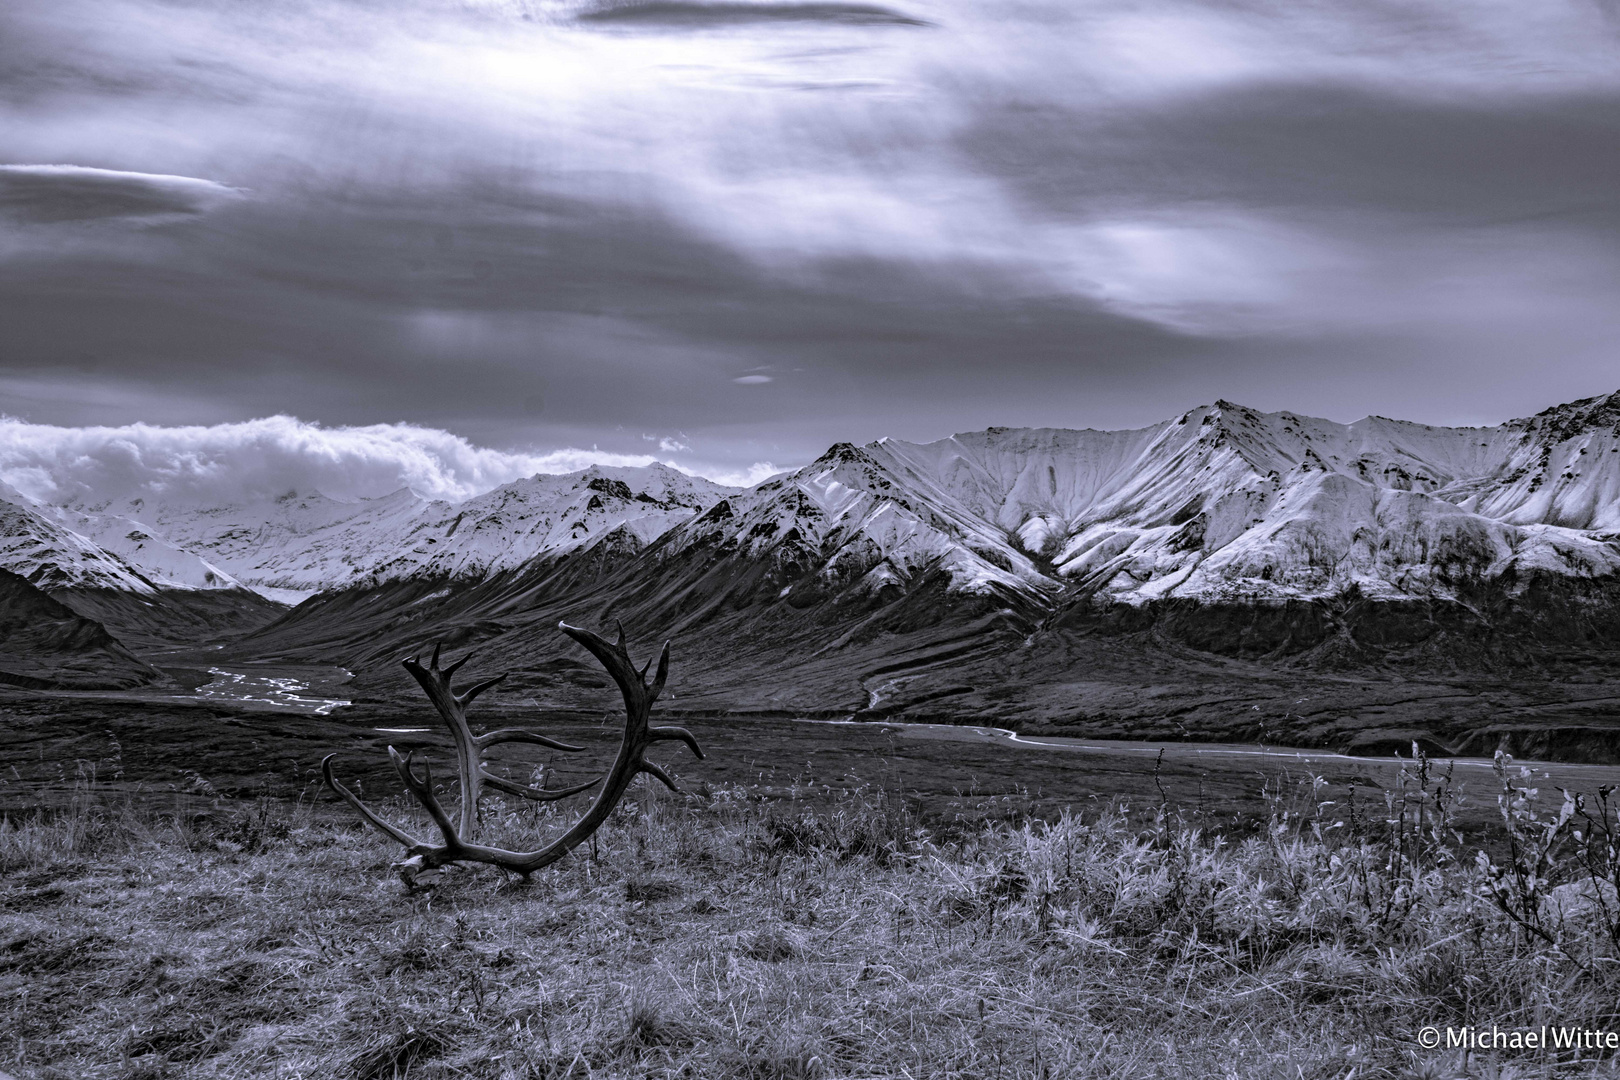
pixel 814 934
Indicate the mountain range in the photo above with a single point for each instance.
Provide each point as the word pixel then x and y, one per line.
pixel 1029 575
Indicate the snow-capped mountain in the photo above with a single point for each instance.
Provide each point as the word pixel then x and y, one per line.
pixel 302 543
pixel 1221 504
pixel 154 558
pixel 1111 579
pixel 287 547
pixel 547 516
pixel 853 522
pixel 49 555
pixel 1230 504
pixel 123 585
pixel 58 548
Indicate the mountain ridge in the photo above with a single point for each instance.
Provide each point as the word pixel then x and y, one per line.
pixel 1102 582
pixel 1216 496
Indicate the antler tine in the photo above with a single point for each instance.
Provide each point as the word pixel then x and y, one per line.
pixel 365 811
pixel 511 787
pixel 677 734
pixel 620 626
pixel 663 674
pixel 466 697
pixel 433 664
pixel 506 735
pixel 436 686
pixel 423 790
pixel 455 667
pixel 613 657
pixel 659 774
pixel 599 646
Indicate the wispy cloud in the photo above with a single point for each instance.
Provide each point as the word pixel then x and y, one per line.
pixel 61 193
pixel 697 14
pixel 549 222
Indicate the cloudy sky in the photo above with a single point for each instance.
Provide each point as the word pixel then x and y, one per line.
pixel 732 232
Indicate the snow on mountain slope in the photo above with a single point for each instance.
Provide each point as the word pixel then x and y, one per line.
pixel 129 591
pixel 1029 482
pixel 302 543
pixel 1564 469
pixel 1227 503
pixel 1224 504
pixel 549 515
pixel 851 521
pixel 49 555
pixel 288 547
pixel 157 560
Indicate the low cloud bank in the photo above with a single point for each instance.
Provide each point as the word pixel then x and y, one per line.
pixel 265 458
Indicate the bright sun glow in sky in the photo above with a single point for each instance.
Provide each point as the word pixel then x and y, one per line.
pixel 728 234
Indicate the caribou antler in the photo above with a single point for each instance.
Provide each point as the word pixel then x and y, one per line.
pixel 470 748
pixel 639 736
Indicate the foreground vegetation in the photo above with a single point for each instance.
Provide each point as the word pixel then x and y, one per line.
pixel 822 935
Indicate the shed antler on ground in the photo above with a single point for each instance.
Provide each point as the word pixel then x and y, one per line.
pixel 458 845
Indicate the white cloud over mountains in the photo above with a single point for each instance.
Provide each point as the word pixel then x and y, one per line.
pixel 265 458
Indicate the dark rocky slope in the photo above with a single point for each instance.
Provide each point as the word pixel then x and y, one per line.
pixel 44 644
pixel 167 619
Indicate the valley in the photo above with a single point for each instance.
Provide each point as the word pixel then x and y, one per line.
pixel 210 755
pixel 1225 576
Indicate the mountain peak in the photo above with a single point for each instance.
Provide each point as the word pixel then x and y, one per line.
pixel 843 452
pixel 1574 418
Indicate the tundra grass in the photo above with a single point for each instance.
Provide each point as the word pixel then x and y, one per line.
pixel 728 937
